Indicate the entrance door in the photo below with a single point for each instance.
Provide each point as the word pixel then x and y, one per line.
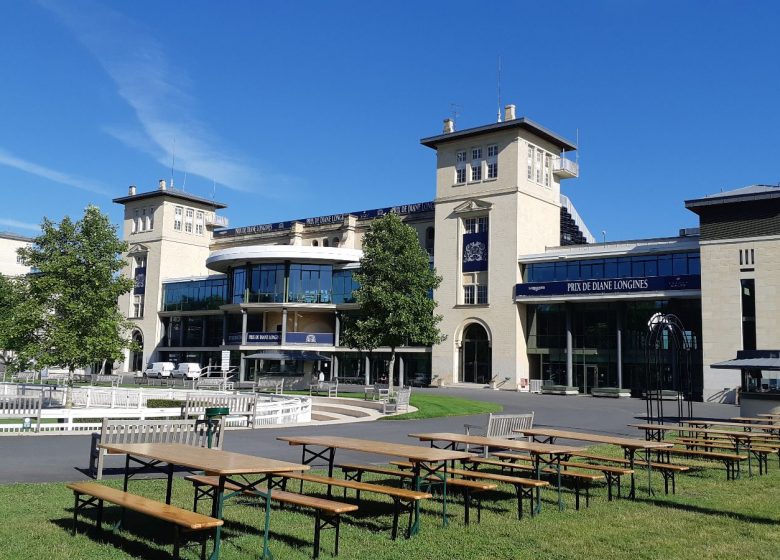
pixel 137 355
pixel 476 361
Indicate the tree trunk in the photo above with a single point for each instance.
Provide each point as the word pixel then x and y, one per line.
pixel 69 389
pixel 391 368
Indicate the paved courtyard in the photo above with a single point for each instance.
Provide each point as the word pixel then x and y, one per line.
pixel 64 457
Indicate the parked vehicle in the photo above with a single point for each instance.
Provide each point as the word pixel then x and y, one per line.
pixel 187 370
pixel 159 369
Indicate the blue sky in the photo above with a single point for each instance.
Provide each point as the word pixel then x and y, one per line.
pixel 299 109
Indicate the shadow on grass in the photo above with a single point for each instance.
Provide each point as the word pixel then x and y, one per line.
pixel 709 511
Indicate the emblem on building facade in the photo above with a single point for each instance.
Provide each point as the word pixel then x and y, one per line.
pixel 474 252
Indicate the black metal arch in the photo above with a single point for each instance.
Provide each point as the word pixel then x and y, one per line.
pixel 668 362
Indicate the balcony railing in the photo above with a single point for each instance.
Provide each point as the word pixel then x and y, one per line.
pixel 565 168
pixel 216 221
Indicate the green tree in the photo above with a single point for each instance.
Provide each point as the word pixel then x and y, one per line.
pixel 395 280
pixel 77 282
pixel 20 322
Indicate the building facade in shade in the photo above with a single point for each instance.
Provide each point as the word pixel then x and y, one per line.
pixel 527 295
pixel 10 263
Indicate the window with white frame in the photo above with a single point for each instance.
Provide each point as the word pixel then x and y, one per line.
pixel 177 215
pixel 492 162
pixel 138 307
pixel 19 259
pixel 547 166
pixel 140 261
pixel 150 219
pixel 136 221
pixel 539 165
pixel 475 290
pixel 476 164
pixel 460 167
pixel 530 162
pixel 476 225
pixel 199 223
pixel 188 216
pixel 142 222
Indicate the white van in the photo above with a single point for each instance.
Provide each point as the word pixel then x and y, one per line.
pixel 159 369
pixel 187 370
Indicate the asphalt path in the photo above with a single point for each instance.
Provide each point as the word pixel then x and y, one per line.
pixel 65 457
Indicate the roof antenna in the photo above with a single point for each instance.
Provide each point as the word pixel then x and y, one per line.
pixel 173 160
pixel 454 111
pixel 499 88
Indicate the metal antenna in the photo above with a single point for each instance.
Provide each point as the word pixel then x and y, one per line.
pixel 499 88
pixel 173 160
pixel 454 111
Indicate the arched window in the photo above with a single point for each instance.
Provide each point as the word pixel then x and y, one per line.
pixel 336 241
pixel 137 354
pixel 315 243
pixel 325 242
pixel 429 238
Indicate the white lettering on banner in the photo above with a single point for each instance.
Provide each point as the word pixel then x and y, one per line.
pixel 607 285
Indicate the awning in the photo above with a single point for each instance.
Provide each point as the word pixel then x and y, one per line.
pixel 276 355
pixel 770 364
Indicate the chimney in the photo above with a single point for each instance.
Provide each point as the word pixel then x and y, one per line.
pixel 162 185
pixel 509 113
pixel 449 126
pixel 131 190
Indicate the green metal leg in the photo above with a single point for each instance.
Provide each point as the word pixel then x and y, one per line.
pixel 219 498
pixel 266 552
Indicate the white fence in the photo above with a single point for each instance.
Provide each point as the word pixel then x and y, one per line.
pixel 105 402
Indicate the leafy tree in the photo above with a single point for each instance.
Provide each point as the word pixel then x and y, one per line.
pixel 77 283
pixel 395 280
pixel 20 321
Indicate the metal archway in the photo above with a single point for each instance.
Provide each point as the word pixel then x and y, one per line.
pixel 668 367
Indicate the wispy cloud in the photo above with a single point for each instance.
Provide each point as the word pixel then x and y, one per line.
pixel 9 160
pixel 16 224
pixel 157 91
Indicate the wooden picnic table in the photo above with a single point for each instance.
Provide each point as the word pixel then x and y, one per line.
pixel 231 468
pixel 427 461
pixel 657 431
pixel 754 420
pixel 769 415
pixel 542 453
pixel 630 447
pixel 742 425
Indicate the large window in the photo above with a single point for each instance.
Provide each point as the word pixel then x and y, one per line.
pixel 188 216
pixel 344 286
pixel 619 267
pixel 138 306
pixel 748 286
pixel 199 223
pixel 476 225
pixel 492 162
pixel 460 167
pixel 539 165
pixel 266 284
pixel 195 295
pixel 310 283
pixel 475 290
pixel 476 164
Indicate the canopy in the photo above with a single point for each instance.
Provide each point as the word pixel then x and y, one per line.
pixel 279 355
pixel 769 364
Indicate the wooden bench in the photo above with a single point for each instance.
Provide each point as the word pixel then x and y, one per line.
pixel 377 391
pixel 403 499
pixel 244 404
pixel 469 487
pixel 730 460
pixel 576 477
pixel 611 474
pixel 187 432
pixel 218 383
pixel 327 512
pixel 502 426
pixel 181 519
pixel 398 401
pixel 13 407
pixel 113 380
pixel 524 487
pixel 328 388
pixel 760 450
pixel 667 470
pixel 269 385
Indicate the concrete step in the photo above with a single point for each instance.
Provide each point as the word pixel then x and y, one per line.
pixel 352 411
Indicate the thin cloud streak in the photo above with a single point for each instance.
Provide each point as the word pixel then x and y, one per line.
pixel 16 224
pixel 156 91
pixel 9 160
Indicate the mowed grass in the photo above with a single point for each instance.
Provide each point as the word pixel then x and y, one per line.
pixel 435 406
pixel 709 518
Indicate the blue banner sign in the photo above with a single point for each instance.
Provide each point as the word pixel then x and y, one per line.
pixel 256 338
pixel 402 210
pixel 140 281
pixel 475 252
pixel 310 338
pixel 609 286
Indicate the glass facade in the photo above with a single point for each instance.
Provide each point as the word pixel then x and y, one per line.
pixel 595 338
pixel 266 284
pixel 310 283
pixel 670 264
pixel 195 295
pixel 344 286
pixel 291 282
pixel 192 330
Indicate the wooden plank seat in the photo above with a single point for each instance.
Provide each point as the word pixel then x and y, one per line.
pixel 611 474
pixel 667 470
pixel 327 512
pixel 760 451
pixel 403 499
pixel 730 460
pixel 468 487
pixel 524 487
pixel 578 478
pixel 182 519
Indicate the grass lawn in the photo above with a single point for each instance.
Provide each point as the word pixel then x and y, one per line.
pixel 431 406
pixel 709 518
